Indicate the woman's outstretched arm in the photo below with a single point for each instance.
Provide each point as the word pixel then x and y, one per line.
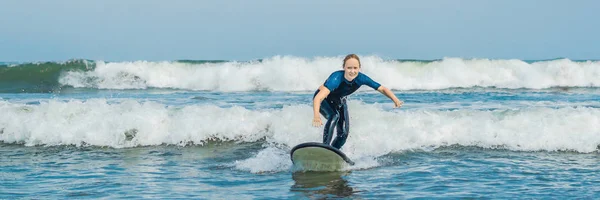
pixel 388 93
pixel 323 92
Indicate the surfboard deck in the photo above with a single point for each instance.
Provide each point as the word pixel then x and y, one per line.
pixel 314 156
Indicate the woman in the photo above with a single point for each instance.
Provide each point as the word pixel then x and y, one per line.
pixel 330 99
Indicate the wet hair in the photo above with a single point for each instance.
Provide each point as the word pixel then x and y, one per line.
pixel 348 57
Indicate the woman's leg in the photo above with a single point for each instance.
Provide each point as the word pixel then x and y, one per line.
pixel 332 116
pixel 343 127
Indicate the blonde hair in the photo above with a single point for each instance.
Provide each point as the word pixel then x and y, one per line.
pixel 350 56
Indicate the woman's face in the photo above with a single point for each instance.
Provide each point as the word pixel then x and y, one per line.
pixel 351 68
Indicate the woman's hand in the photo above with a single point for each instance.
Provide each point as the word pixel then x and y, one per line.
pixel 398 103
pixel 317 121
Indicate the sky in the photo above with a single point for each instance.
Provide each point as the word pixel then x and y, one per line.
pixel 128 30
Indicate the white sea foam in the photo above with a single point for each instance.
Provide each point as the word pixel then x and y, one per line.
pixel 374 131
pixel 285 73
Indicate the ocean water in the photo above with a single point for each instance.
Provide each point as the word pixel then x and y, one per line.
pixel 470 128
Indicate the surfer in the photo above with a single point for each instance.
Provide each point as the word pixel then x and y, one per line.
pixel 330 99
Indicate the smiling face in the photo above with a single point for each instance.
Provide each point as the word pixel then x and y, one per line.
pixel 351 68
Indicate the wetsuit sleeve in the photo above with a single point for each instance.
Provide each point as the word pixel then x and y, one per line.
pixel 333 81
pixel 366 80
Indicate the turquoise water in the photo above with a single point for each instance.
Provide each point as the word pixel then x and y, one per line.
pixel 206 172
pixel 223 130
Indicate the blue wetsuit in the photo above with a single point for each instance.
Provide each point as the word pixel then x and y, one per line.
pixel 334 106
